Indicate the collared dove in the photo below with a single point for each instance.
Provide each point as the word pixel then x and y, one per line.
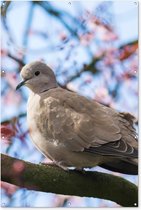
pixel 74 131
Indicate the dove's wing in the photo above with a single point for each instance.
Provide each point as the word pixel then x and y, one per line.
pixel 84 125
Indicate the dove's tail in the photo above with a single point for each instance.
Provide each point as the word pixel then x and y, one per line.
pixel 130 167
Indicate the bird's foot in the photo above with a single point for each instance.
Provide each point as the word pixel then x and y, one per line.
pixel 48 164
pixel 79 170
pixel 61 165
pixel 55 164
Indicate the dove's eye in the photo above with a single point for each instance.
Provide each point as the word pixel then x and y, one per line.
pixel 37 73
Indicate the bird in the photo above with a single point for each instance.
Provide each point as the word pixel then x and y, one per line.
pixel 74 131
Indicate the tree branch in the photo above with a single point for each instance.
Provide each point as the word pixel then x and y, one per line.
pixel 55 180
pixel 4 7
pixel 21 63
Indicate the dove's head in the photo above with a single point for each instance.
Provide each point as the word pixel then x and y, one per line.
pixel 38 77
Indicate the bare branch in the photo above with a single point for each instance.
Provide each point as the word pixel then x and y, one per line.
pixel 4 7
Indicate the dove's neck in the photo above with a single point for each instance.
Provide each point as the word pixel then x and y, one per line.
pixel 42 87
pixel 50 87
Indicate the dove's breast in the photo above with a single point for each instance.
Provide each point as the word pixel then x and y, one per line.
pixel 37 119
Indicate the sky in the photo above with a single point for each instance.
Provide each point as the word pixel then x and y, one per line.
pixel 125 18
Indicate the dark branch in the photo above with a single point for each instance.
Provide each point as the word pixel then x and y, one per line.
pixel 13 118
pixel 4 7
pixel 21 63
pixel 55 180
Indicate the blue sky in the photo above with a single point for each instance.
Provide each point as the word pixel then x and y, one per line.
pixel 125 22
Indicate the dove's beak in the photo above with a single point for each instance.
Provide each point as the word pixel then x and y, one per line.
pixel 21 84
